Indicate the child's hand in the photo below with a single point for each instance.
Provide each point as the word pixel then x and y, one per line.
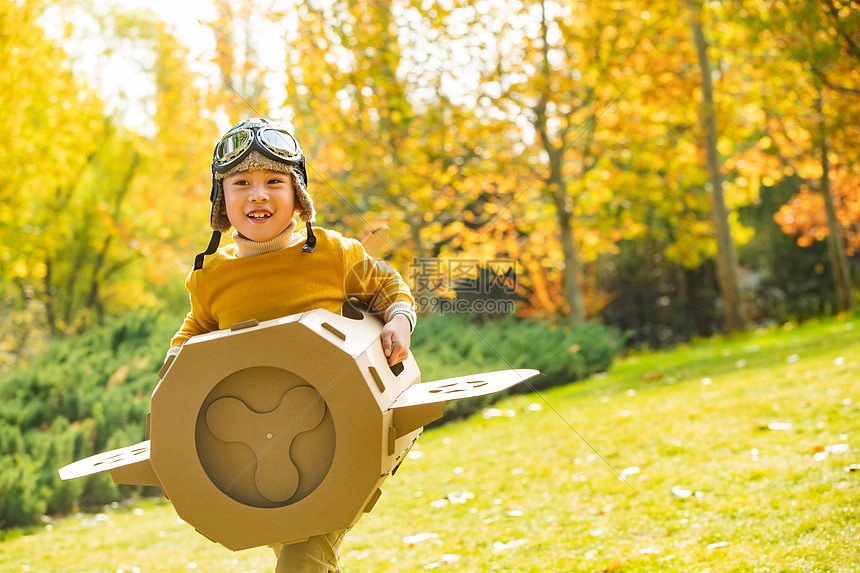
pixel 396 336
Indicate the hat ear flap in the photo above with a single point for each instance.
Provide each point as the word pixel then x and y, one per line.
pixel 218 220
pixel 308 213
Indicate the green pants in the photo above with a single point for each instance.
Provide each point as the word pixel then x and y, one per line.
pixel 316 555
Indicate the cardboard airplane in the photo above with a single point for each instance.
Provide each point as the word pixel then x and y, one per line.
pixel 275 431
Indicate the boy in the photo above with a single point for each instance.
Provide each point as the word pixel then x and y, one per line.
pixel 259 182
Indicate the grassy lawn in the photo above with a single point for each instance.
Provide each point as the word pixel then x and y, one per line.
pixel 735 455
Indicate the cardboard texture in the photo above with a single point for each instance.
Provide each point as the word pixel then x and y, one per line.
pixel 276 431
pixel 376 240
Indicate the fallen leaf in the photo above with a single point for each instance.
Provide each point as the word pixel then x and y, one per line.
pixel 821 452
pixel 678 491
pixel 630 471
pixel 613 565
pixel 500 546
pixel 460 496
pixel 419 537
pixel 497 413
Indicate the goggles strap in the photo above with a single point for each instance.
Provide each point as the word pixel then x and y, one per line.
pixel 213 246
pixel 311 242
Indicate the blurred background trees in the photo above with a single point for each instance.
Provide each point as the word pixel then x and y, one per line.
pixel 585 144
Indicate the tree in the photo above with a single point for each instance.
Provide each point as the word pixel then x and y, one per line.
pixel 727 257
pixel 385 144
pixel 53 127
pixel 805 215
pixel 820 39
pixel 107 209
pixel 559 71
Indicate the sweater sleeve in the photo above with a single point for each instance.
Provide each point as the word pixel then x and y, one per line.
pixel 199 320
pixel 376 283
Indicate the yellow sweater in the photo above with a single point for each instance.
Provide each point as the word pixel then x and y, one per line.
pixel 230 289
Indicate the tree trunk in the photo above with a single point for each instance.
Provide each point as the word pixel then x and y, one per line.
pixel 835 242
pixel 570 285
pixel 696 303
pixel 728 274
pixel 557 190
pixel 50 309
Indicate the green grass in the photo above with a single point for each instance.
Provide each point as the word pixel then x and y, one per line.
pixel 538 492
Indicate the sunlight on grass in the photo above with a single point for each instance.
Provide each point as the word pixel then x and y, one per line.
pixel 735 453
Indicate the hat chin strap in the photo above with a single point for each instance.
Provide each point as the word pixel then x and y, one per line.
pixel 215 241
pixel 311 242
pixel 213 246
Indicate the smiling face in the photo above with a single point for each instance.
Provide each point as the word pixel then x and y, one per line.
pixel 259 204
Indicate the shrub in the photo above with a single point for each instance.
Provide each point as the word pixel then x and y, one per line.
pixel 83 396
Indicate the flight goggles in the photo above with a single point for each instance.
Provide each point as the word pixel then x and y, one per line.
pixel 273 142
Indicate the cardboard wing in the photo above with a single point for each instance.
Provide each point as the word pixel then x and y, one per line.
pixel 423 403
pixel 129 465
pixel 276 431
pixel 376 240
